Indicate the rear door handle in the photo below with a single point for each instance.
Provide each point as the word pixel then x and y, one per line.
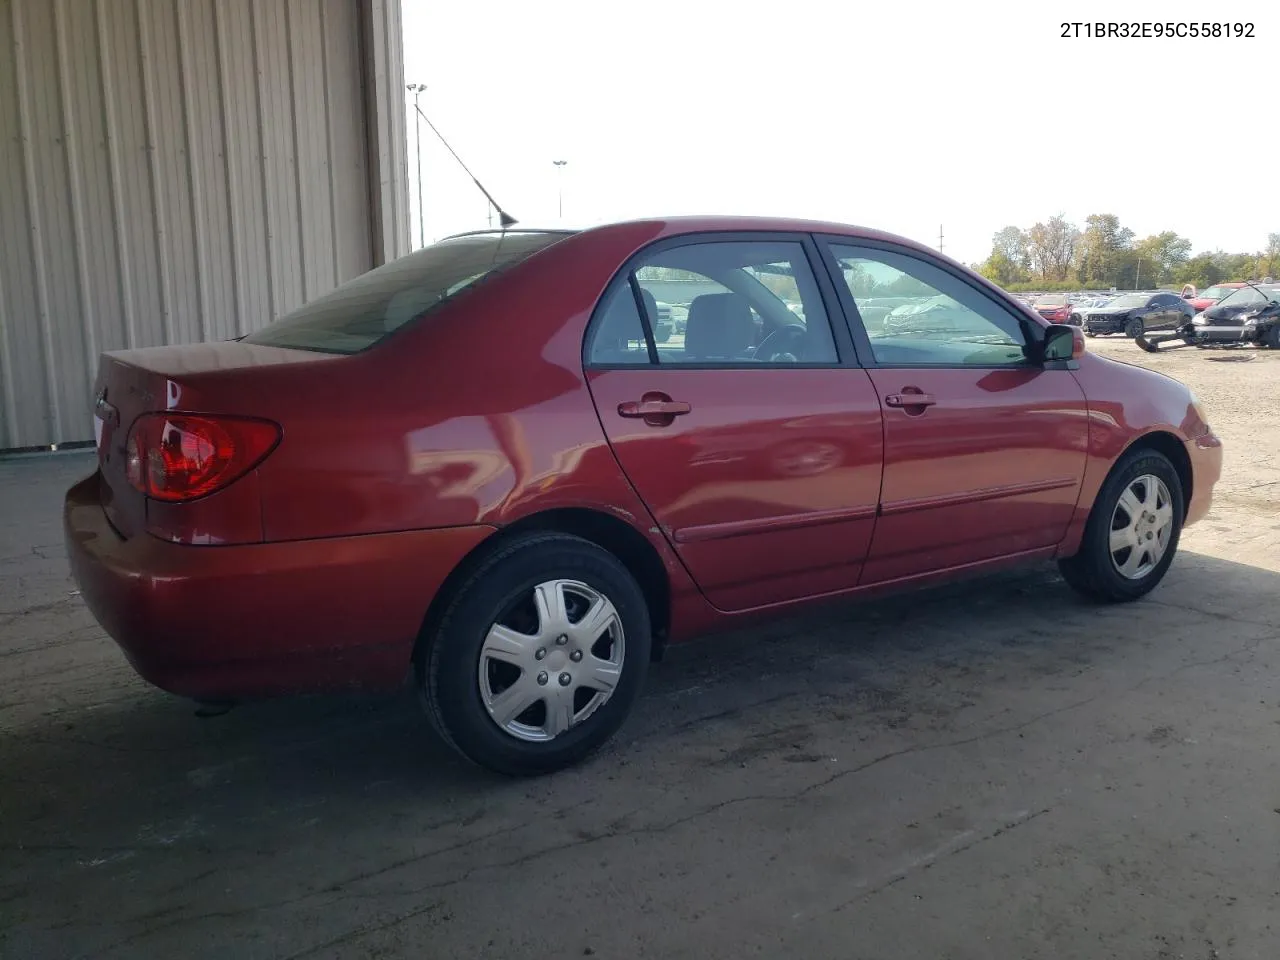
pixel 644 409
pixel 910 400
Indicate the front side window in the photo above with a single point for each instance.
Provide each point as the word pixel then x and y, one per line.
pixel 363 311
pixel 717 303
pixel 916 314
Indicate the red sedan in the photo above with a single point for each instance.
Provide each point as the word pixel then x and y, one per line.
pixel 476 466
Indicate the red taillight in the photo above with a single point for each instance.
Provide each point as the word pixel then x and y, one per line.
pixel 181 456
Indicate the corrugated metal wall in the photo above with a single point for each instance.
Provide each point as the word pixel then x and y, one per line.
pixel 180 170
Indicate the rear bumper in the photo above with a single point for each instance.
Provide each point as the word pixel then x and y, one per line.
pixel 1206 467
pixel 258 620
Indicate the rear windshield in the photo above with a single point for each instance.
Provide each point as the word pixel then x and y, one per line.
pixel 1052 300
pixel 363 311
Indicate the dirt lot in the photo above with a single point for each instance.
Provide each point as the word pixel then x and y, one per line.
pixel 980 772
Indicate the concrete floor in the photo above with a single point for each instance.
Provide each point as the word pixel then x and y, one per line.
pixel 991 771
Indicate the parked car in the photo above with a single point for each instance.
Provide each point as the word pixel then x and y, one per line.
pixel 933 317
pixel 1208 297
pixel 1054 307
pixel 1250 314
pixel 1079 307
pixel 472 468
pixel 1134 313
pixel 664 327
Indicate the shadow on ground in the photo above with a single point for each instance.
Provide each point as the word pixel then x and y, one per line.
pixel 310 826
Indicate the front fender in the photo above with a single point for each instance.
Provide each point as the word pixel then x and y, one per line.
pixel 1127 405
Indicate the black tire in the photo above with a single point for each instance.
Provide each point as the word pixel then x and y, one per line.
pixel 448 666
pixel 1092 572
pixel 1133 329
pixel 1272 337
pixel 1090 333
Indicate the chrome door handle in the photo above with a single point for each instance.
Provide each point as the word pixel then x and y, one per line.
pixel 910 400
pixel 636 409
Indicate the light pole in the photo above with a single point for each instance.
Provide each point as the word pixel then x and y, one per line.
pixel 417 89
pixel 560 165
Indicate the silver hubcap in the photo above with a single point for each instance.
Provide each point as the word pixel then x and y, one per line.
pixel 551 660
pixel 1141 525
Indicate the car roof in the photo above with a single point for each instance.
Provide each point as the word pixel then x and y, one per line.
pixel 677 226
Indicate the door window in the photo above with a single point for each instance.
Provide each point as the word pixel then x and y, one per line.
pixel 721 303
pixel 618 336
pixel 916 314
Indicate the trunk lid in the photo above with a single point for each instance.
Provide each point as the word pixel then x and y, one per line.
pixel 200 378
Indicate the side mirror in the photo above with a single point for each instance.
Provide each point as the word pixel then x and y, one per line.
pixel 1062 343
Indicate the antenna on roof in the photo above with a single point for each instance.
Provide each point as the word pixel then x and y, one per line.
pixel 505 219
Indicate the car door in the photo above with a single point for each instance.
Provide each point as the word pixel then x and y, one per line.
pixel 984 450
pixel 1171 310
pixel 1154 315
pixel 752 437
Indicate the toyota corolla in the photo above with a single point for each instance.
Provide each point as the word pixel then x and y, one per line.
pixel 478 469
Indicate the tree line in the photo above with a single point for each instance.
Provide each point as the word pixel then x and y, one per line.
pixel 1058 255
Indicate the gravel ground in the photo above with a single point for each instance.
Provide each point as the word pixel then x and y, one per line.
pixel 975 772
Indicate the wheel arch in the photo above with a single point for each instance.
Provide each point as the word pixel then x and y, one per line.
pixel 1167 443
pixel 632 549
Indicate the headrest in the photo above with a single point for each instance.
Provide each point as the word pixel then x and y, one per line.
pixel 719 327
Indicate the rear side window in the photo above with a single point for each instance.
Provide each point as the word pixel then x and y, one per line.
pixel 363 311
pixel 716 303
pixel 619 334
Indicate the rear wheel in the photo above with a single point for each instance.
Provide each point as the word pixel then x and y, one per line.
pixel 1090 333
pixel 1132 533
pixel 1133 329
pixel 539 657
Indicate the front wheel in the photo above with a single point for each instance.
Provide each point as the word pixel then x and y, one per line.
pixel 1090 334
pixel 1272 337
pixel 539 657
pixel 1132 532
pixel 1134 329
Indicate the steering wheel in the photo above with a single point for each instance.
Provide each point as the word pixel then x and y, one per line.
pixel 782 345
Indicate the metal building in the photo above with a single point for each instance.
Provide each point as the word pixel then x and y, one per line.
pixel 182 170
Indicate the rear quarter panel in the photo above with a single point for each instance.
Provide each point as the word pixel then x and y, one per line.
pixel 479 414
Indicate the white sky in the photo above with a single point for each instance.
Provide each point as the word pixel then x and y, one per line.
pixel 894 114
